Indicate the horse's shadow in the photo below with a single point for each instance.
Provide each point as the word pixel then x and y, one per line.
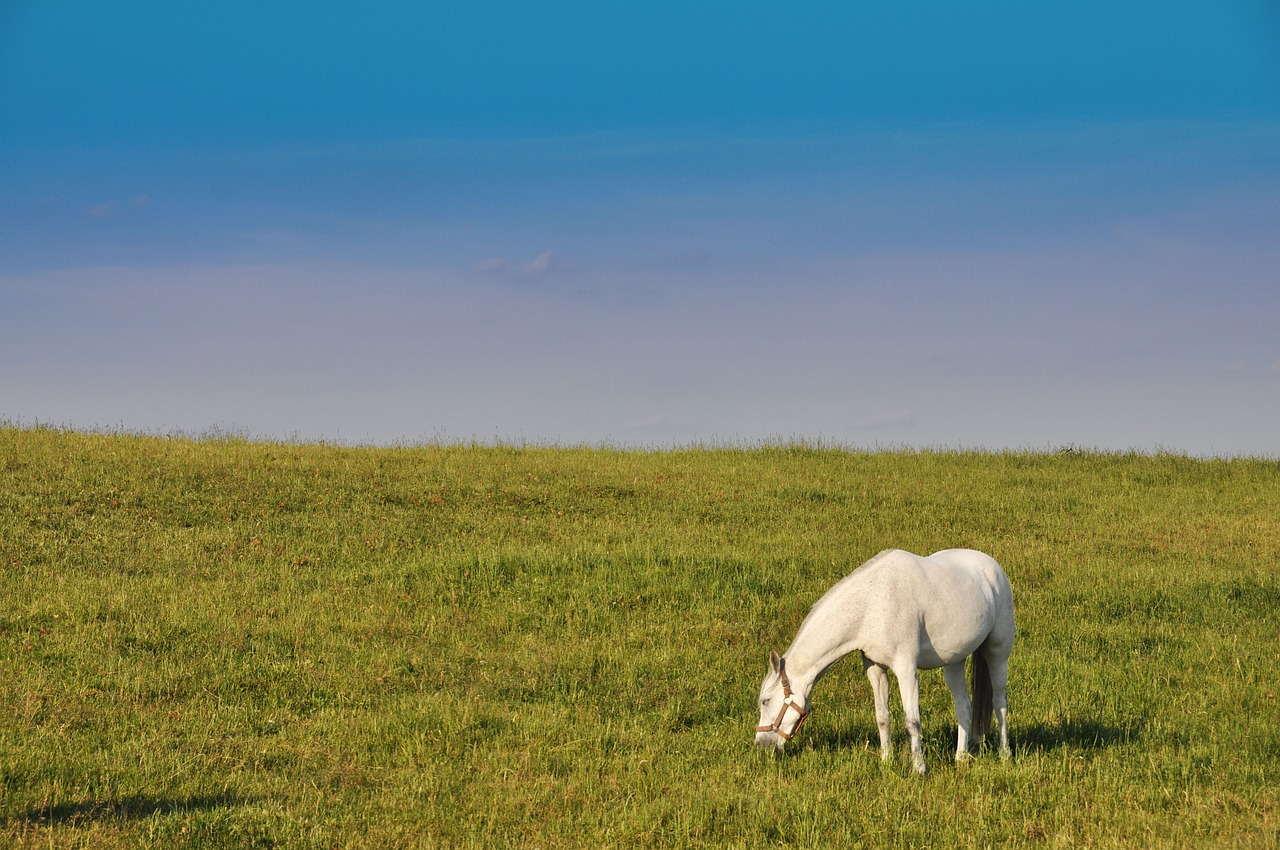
pixel 135 807
pixel 1077 734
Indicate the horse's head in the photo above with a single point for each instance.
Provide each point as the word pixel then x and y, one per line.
pixel 781 712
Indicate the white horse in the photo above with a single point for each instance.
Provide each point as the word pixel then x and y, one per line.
pixel 905 613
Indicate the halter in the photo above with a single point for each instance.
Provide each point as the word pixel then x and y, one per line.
pixel 787 702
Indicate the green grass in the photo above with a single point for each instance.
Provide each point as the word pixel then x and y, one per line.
pixel 222 643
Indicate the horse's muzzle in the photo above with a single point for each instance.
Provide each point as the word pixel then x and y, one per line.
pixel 770 741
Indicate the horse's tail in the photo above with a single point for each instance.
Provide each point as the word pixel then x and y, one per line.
pixel 980 724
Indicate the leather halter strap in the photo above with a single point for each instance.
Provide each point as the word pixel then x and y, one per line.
pixel 788 702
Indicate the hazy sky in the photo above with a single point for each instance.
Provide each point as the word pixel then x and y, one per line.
pixel 938 224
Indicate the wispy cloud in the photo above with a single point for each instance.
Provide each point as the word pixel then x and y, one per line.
pixel 112 209
pixel 546 263
pixel 494 264
pixel 539 265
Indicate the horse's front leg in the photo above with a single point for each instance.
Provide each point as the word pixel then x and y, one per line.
pixel 909 686
pixel 880 690
pixel 954 674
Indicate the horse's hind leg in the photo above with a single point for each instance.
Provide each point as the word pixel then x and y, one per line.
pixel 954 674
pixel 999 667
pixel 880 691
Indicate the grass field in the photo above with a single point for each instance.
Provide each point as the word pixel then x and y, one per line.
pixel 221 643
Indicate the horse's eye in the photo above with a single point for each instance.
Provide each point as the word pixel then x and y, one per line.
pixel 766 701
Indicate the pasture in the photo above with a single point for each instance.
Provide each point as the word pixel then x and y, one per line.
pixel 223 643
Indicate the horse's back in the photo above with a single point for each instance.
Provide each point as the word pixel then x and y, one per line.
pixel 991 588
pixel 966 602
pixel 946 578
pixel 931 610
pixel 974 565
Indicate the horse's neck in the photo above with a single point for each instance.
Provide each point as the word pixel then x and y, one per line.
pixel 830 632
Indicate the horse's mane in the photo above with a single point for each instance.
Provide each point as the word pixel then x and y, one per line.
pixel 838 588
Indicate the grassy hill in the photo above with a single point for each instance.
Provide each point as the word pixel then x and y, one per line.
pixel 221 643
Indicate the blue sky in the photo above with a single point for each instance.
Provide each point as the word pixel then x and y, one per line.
pixel 921 223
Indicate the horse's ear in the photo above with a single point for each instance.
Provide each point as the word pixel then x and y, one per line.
pixel 775 662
